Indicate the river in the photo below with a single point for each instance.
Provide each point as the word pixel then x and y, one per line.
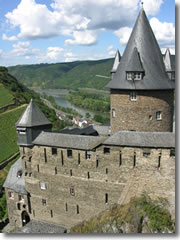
pixel 60 99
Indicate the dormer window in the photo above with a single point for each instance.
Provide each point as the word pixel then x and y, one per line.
pixel 134 75
pixel 21 131
pixel 19 173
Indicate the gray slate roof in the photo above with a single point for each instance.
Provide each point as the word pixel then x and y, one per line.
pixel 116 61
pixel 68 140
pixel 12 181
pixel 32 117
pixel 41 227
pixel 142 139
pixel 135 64
pixel 142 37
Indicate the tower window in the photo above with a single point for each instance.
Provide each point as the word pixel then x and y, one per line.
pixel 69 153
pixel 134 160
pixel 133 96
pixel 45 156
pixel 20 198
pixel 54 151
pixel 79 158
pixel 11 195
pixel 77 207
pixel 55 170
pixel 43 186
pixel 38 167
pixel 66 207
pixel 106 170
pixel 137 76
pixel 43 202
pixel 106 150
pixel 159 160
pixel 72 192
pixel 88 155
pixel 62 158
pixel 106 198
pixel 71 172
pixel 19 206
pixel 113 113
pixel 88 175
pixel 129 76
pixel 52 213
pixel 158 115
pixel 120 158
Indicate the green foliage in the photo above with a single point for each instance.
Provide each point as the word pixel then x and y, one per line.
pixel 89 101
pixel 71 75
pixel 100 118
pixel 5 96
pixel 88 115
pixel 138 211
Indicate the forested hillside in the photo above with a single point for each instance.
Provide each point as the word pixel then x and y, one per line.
pixel 73 75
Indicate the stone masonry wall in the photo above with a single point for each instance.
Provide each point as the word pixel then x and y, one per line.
pixel 140 115
pixel 78 189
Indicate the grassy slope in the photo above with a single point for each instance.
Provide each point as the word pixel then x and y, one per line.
pixel 5 96
pixel 8 135
pixel 64 75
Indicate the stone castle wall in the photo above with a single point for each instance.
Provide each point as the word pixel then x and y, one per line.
pixel 116 175
pixel 140 115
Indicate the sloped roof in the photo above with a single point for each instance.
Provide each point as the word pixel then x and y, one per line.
pixel 68 140
pixel 116 61
pixel 169 61
pixel 142 38
pixel 32 116
pixel 12 181
pixel 135 64
pixel 142 139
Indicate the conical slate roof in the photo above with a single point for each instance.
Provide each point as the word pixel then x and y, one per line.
pixel 32 117
pixel 116 61
pixel 142 38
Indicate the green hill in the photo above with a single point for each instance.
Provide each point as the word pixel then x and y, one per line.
pixel 14 97
pixel 73 75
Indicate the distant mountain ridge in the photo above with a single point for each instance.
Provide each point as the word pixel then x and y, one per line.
pixel 71 75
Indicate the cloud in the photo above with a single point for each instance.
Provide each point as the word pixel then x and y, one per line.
pixel 123 34
pixel 172 50
pixel 111 51
pixel 6 38
pixel 71 18
pixel 53 53
pixel 83 38
pixel 152 7
pixel 164 32
pixel 21 49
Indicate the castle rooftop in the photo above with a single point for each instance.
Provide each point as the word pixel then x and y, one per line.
pixel 32 116
pixel 13 181
pixel 147 50
pixel 68 141
pixel 142 139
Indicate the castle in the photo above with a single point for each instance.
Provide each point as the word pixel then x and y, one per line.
pixel 69 176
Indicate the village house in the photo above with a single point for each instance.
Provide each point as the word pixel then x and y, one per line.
pixel 67 177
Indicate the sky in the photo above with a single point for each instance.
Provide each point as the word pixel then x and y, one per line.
pixel 51 31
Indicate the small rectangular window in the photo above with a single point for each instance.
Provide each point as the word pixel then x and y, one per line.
pixel 88 175
pixel 33 213
pixel 146 154
pixel 52 213
pixel 133 96
pixel 113 113
pixel 72 192
pixel 106 170
pixel 66 207
pixel 54 151
pixel 43 202
pixel 62 158
pixel 25 165
pixel 106 150
pixel 172 153
pixel 71 172
pixel 159 161
pixel 120 158
pixel 38 167
pixel 88 155
pixel 43 186
pixel 106 198
pixel 77 209
pixel 69 153
pixel 29 160
pixel 79 158
pixel 134 160
pixel 158 115
pixel 11 195
pixel 55 170
pixel 20 198
pixel 129 76
pixel 137 76
pixel 45 156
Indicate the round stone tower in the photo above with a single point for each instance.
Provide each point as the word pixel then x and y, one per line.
pixel 142 94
